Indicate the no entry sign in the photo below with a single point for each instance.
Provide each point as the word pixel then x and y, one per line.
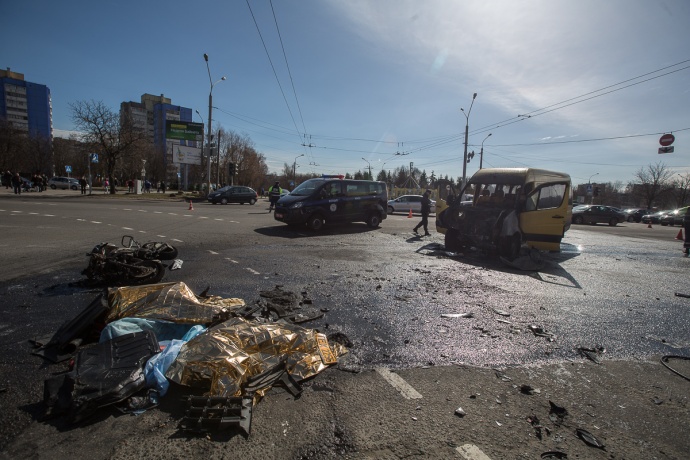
pixel 666 140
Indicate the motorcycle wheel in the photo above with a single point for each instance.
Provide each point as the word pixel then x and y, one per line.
pixel 161 251
pixel 146 272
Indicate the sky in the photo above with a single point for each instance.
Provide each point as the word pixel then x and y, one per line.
pixel 584 87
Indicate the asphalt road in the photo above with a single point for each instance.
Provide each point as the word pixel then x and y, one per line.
pixel 385 289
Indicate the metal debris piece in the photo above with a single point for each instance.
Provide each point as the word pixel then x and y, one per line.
pixel 589 438
pixel 528 390
pixel 538 428
pixel 206 414
pixel 457 315
pixel 502 376
pixel 554 454
pixel 501 312
pixel 460 412
pixel 557 413
pixel 680 294
pixel 539 331
pixel 592 354
pixel 177 264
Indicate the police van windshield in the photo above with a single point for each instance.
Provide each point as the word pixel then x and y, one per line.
pixel 307 187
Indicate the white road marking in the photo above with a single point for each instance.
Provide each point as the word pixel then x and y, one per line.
pixel 250 270
pixel 127 209
pixel 48 215
pixel 233 221
pixel 203 217
pixel 127 228
pixel 178 241
pixel 172 213
pixel 157 212
pixel 142 210
pixel 398 383
pixel 160 236
pixel 16 211
pixel 213 252
pixel 81 220
pixel 219 219
pixel 33 213
pixel 187 215
pixel 142 231
pixel 233 261
pixel 95 222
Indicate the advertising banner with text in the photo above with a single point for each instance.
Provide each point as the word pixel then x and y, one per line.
pixel 184 130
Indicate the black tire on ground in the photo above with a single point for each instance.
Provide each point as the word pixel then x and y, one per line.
pixel 391 210
pixel 315 222
pixel 613 222
pixel 373 220
pixel 252 201
pixel 53 186
pixel 223 201
pixel 578 220
pixel 151 272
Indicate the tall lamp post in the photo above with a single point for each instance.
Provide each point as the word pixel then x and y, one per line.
pixel 294 168
pixel 589 184
pixel 481 153
pixel 467 127
pixel 370 178
pixel 209 136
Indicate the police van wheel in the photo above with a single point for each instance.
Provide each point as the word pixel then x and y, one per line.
pixel 315 222
pixel 373 220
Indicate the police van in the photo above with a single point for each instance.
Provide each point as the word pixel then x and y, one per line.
pixel 332 199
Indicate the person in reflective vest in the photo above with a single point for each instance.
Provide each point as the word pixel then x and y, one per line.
pixel 273 195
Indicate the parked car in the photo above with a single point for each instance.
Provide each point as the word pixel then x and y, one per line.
pixel 655 217
pixel 635 214
pixel 233 194
pixel 63 183
pixel 406 203
pixel 674 217
pixel 595 214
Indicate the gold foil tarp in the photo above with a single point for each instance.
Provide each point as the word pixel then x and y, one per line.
pixel 227 355
pixel 173 302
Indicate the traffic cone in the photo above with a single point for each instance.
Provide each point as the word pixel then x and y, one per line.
pixel 679 236
pixel 191 208
pixel 409 216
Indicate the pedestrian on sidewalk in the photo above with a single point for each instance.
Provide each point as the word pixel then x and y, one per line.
pixel 17 184
pixel 426 209
pixel 82 183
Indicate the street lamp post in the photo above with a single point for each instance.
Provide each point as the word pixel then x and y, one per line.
pixel 467 127
pixel 589 183
pixel 294 168
pixel 481 153
pixel 209 136
pixel 370 178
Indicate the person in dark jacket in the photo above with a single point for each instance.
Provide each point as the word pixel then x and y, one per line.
pixel 274 195
pixel 686 227
pixel 17 184
pixel 426 209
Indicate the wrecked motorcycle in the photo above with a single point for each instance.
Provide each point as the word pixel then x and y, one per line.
pixel 131 264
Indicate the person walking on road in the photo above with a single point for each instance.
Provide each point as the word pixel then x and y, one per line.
pixel 686 227
pixel 17 184
pixel 426 209
pixel 273 195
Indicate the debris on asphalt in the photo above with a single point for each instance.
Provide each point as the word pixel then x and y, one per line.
pixel 177 264
pixel 664 361
pixel 500 375
pixel 589 438
pixel 539 429
pixel 151 335
pixel 554 454
pixel 529 262
pixel 539 331
pixel 528 390
pixel 501 312
pixel 457 315
pixel 593 354
pixel 680 294
pixel 460 412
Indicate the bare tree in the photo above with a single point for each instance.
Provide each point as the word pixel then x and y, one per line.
pixel 654 183
pixel 682 189
pixel 114 137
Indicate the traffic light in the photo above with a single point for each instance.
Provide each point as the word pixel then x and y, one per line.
pixel 596 191
pixel 232 168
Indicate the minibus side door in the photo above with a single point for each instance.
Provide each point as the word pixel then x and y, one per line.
pixel 544 215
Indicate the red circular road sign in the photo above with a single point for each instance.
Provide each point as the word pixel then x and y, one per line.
pixel 666 140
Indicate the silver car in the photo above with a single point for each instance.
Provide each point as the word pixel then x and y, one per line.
pixel 63 183
pixel 407 203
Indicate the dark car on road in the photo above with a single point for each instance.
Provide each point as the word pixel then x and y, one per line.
pixel 233 194
pixel 597 214
pixel 635 214
pixel 655 217
pixel 674 217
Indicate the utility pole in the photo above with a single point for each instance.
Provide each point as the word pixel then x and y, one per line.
pixel 467 128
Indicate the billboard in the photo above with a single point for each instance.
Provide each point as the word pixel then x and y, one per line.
pixel 184 130
pixel 185 155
